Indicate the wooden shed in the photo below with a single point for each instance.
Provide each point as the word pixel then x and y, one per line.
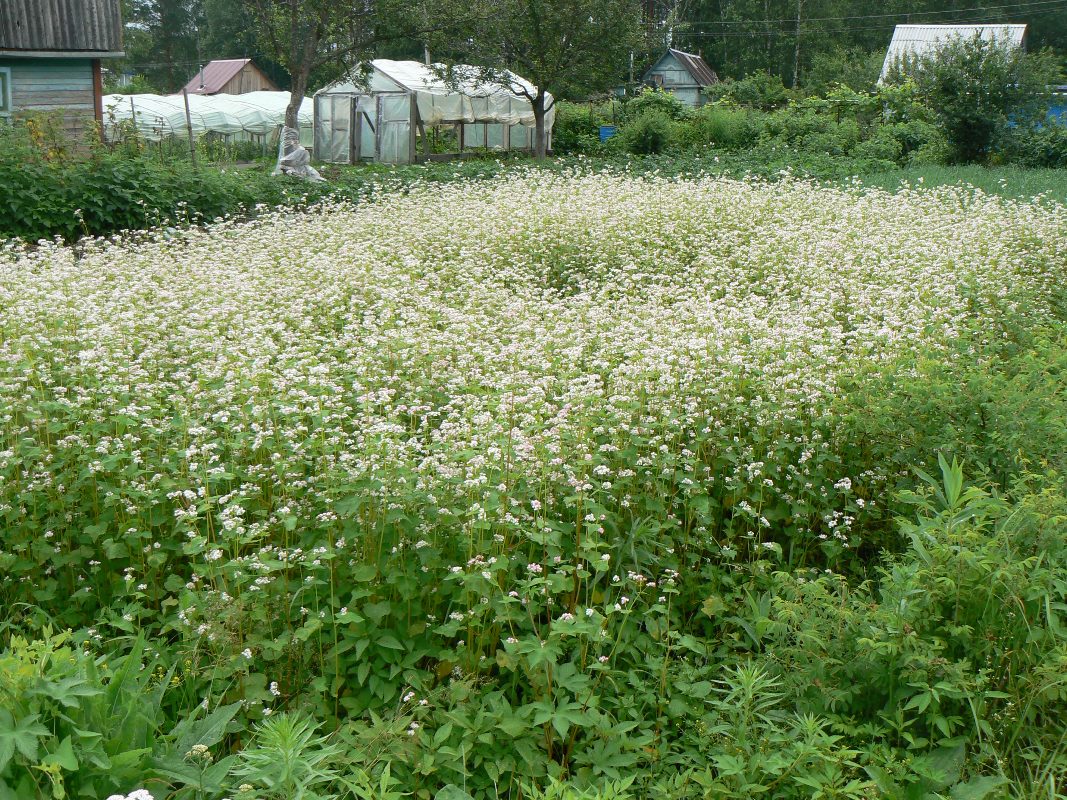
pixel 682 74
pixel 230 76
pixel 50 53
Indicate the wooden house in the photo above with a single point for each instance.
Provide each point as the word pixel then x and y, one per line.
pixel 682 74
pixel 230 76
pixel 50 53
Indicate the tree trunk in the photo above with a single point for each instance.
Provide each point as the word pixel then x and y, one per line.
pixel 296 97
pixel 796 48
pixel 540 139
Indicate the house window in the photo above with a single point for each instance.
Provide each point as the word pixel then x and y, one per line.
pixel 5 91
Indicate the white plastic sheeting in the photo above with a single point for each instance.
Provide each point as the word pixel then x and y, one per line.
pixel 462 99
pixel 241 116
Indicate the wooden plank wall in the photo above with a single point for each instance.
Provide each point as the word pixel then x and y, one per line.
pixel 61 25
pixel 249 79
pixel 61 85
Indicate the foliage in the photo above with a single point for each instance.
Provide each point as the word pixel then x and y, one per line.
pixel 655 101
pixel 1036 146
pixel 723 127
pixel 161 41
pixel 139 84
pixel 708 533
pixel 822 41
pixel 760 90
pixel 577 125
pixel 853 67
pixel 287 759
pixel 975 87
pixel 569 50
pixel 307 37
pixel 648 133
pixel 72 724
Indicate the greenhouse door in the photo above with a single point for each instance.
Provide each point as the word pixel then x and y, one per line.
pixel 394 140
pixel 333 127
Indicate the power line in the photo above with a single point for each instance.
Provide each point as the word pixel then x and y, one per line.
pixel 823 31
pixel 1020 7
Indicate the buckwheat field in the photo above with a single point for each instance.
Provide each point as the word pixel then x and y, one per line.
pixel 578 478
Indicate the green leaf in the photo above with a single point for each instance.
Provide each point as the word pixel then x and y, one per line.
pixel 978 788
pixel 452 792
pixel 390 641
pixel 207 731
pixel 713 606
pixel 22 736
pixel 63 756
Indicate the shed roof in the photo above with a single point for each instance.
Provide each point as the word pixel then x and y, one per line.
pixel 919 40
pixel 214 75
pixel 43 28
pixel 697 67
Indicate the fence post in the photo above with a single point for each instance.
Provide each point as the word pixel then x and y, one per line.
pixel 189 128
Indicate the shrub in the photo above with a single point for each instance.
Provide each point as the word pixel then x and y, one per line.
pixel 576 129
pixel 655 101
pixel 760 90
pixel 721 126
pixel 856 68
pixel 1037 146
pixel 975 87
pixel 649 133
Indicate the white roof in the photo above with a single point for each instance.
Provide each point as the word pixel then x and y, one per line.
pixel 919 40
pixel 464 99
pixel 158 116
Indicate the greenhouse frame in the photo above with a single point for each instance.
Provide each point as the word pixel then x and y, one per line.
pixel 387 111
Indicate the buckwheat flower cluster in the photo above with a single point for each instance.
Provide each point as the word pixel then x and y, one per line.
pixel 551 337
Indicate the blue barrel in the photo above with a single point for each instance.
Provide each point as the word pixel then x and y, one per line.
pixel 607 131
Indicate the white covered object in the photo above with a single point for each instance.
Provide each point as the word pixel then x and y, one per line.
pixel 242 115
pixel 293 159
pixel 464 99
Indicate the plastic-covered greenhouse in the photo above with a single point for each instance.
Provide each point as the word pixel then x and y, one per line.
pixel 400 105
pixel 254 116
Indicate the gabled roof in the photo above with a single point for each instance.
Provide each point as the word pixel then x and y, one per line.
pixel 920 40
pixel 697 67
pixel 216 74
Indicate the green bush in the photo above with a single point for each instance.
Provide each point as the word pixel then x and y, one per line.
pixel 855 68
pixel 721 126
pixel 908 142
pixel 760 90
pixel 975 88
pixel 655 101
pixel 1042 146
pixel 647 134
pixel 576 128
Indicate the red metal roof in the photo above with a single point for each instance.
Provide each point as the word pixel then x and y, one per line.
pixel 215 75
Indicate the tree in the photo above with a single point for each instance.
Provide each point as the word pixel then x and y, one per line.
pixel 308 35
pixel 976 88
pixel 161 40
pixel 567 48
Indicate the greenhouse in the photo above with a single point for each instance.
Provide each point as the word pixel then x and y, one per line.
pixel 253 116
pixel 399 108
